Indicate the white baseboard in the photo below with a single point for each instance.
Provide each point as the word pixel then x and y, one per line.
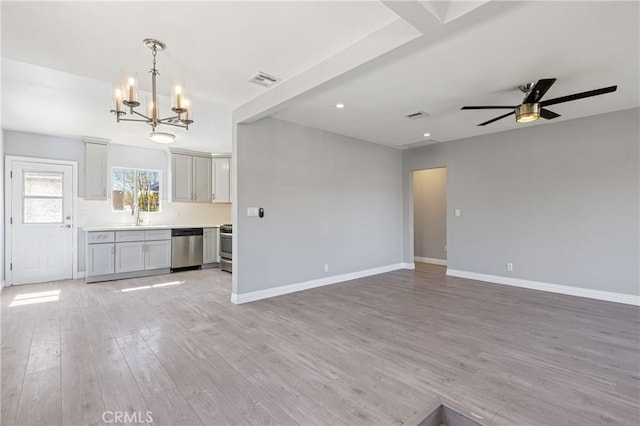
pixel 553 288
pixel 79 275
pixel 430 260
pixel 306 285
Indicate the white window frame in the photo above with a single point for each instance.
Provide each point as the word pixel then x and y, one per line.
pixel 136 169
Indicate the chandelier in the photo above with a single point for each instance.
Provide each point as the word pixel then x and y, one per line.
pixel 127 95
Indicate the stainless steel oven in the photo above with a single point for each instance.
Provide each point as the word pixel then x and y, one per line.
pixel 226 248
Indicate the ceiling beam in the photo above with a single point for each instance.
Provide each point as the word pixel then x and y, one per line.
pixel 374 45
pixel 424 18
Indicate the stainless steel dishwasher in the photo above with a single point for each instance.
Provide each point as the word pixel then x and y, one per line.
pixel 186 249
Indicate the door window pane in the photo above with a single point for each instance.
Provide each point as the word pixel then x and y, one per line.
pixel 42 184
pixel 42 210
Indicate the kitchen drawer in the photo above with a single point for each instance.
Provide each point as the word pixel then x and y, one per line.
pixel 157 234
pixel 100 237
pixel 123 236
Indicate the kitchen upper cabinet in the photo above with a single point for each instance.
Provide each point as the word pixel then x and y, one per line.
pixel 221 180
pixel 182 177
pixel 191 178
pixel 210 249
pixel 202 179
pixel 95 169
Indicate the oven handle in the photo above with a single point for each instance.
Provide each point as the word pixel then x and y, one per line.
pixel 222 234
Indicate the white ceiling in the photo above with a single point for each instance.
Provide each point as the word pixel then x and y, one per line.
pixel 481 61
pixel 61 58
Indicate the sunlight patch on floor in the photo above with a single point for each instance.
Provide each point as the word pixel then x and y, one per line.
pixel 37 297
pixel 146 287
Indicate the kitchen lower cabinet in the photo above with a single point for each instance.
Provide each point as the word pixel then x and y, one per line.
pixel 210 252
pixel 100 259
pixel 157 254
pixel 129 257
pixel 114 255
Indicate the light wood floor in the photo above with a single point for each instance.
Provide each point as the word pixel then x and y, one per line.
pixel 378 350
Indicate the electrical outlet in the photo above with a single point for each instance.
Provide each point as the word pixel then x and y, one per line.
pixel 509 266
pixel 326 267
pixel 457 212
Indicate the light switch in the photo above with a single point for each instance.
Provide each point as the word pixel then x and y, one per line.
pixel 457 212
pixel 252 211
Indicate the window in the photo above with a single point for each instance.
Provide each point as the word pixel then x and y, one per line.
pixel 42 198
pixel 131 187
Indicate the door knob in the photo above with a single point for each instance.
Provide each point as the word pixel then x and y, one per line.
pixel 65 226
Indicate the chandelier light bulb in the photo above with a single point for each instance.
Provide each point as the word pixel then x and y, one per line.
pixel 131 87
pixel 118 100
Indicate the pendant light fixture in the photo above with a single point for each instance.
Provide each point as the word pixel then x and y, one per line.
pixel 125 100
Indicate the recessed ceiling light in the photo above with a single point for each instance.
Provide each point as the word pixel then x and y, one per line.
pixel 426 135
pixel 339 106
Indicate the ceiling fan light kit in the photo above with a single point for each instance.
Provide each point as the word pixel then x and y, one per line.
pixel 526 113
pixel 126 97
pixel 533 107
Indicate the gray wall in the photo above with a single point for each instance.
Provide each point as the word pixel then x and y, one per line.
pixel 46 146
pixel 2 242
pixel 327 199
pixel 430 213
pixel 560 201
pixel 72 149
pixel 141 158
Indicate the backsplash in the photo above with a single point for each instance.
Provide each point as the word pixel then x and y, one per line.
pixel 99 213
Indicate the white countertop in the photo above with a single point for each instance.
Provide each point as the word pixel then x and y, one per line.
pixel 143 227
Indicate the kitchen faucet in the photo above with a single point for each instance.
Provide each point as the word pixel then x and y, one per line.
pixel 135 210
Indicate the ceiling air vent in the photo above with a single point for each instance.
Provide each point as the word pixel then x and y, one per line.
pixel 264 79
pixel 417 114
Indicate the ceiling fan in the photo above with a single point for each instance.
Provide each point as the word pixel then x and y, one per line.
pixel 533 108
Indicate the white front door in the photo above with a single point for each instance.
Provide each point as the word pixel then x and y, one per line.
pixel 41 222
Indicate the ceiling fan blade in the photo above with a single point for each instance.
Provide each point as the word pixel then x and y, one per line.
pixel 549 115
pixel 496 119
pixel 488 107
pixel 539 90
pixel 577 96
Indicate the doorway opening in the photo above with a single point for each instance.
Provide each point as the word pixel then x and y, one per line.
pixel 430 218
